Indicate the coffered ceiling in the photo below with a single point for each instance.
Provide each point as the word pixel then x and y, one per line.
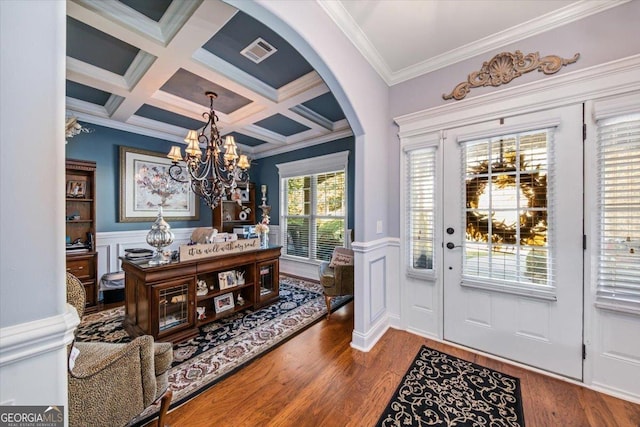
pixel 144 66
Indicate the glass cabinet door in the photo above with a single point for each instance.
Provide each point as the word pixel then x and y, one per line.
pixel 173 303
pixel 268 281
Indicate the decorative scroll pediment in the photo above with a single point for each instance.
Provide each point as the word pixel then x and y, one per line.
pixel 506 66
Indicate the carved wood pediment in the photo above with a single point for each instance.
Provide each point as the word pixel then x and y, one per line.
pixel 506 66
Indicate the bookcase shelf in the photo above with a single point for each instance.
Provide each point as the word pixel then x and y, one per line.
pixel 82 259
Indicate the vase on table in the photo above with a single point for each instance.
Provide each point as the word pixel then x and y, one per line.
pixel 159 237
pixel 264 240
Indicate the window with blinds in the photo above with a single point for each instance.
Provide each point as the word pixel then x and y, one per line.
pixel 420 204
pixel 315 216
pixel 619 210
pixel 505 189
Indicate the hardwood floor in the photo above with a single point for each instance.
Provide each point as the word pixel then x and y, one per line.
pixel 317 379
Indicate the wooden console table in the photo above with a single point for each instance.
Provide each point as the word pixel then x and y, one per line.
pixel 162 300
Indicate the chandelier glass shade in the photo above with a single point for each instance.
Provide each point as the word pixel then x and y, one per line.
pixel 215 173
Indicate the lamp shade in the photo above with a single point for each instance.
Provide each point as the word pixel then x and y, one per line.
pixel 191 136
pixel 175 154
pixel 243 163
pixel 193 149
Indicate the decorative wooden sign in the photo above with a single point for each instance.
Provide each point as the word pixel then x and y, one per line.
pixel 208 250
pixel 506 66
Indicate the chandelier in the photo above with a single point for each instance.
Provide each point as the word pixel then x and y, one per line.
pixel 219 172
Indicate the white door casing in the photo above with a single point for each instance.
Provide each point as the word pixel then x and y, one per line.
pixel 536 325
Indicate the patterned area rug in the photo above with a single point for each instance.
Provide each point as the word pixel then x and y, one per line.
pixel 442 390
pixel 225 345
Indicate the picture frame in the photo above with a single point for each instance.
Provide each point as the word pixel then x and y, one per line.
pixel 223 302
pixel 244 195
pixel 145 185
pixel 76 189
pixel 227 279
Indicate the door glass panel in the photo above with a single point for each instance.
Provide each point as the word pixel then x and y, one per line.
pixel 173 304
pixel 506 208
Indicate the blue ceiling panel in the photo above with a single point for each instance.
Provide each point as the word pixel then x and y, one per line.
pixel 327 106
pixel 86 93
pixel 94 47
pixel 282 125
pixel 284 66
pixel 187 85
pixel 164 116
pixel 151 9
pixel 246 140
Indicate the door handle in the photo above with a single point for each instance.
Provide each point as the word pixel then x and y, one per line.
pixel 451 245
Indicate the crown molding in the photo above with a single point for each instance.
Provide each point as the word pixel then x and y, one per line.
pixel 549 21
pixel 354 33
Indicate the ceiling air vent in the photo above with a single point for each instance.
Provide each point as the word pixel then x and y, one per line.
pixel 258 51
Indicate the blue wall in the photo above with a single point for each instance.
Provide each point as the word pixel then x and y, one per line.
pixel 102 147
pixel 266 172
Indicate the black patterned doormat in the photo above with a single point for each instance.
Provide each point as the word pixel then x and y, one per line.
pixel 442 390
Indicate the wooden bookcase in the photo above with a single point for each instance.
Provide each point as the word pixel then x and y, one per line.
pixel 229 214
pixel 162 300
pixel 80 207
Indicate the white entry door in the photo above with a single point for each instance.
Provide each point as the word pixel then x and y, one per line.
pixel 513 238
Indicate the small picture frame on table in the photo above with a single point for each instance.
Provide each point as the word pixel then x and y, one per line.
pixel 227 279
pixel 223 302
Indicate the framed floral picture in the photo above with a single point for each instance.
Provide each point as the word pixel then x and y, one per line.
pixel 145 185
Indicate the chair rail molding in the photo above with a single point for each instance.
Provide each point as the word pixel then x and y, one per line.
pixel 31 339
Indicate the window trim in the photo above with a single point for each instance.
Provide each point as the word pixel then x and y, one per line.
pixel 334 162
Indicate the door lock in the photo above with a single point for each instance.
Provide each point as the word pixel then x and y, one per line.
pixel 450 230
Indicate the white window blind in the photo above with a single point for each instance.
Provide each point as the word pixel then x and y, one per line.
pixel 619 211
pixel 315 217
pixel 420 201
pixel 507 181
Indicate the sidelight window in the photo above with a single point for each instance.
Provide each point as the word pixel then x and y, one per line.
pixel 619 211
pixel 420 204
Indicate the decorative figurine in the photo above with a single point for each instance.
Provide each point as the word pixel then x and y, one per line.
pixel 240 277
pixel 202 288
pixel 201 314
pixel 240 300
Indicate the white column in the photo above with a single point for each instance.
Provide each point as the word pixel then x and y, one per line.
pixel 34 321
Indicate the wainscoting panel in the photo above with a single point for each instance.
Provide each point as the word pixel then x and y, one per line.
pixel 376 285
pixel 111 245
pixel 376 280
pixel 616 358
pixel 421 306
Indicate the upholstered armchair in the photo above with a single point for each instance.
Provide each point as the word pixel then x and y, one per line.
pixel 111 384
pixel 336 277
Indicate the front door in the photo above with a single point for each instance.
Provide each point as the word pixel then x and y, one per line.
pixel 513 238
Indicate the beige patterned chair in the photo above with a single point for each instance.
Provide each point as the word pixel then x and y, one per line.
pixel 111 384
pixel 336 277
